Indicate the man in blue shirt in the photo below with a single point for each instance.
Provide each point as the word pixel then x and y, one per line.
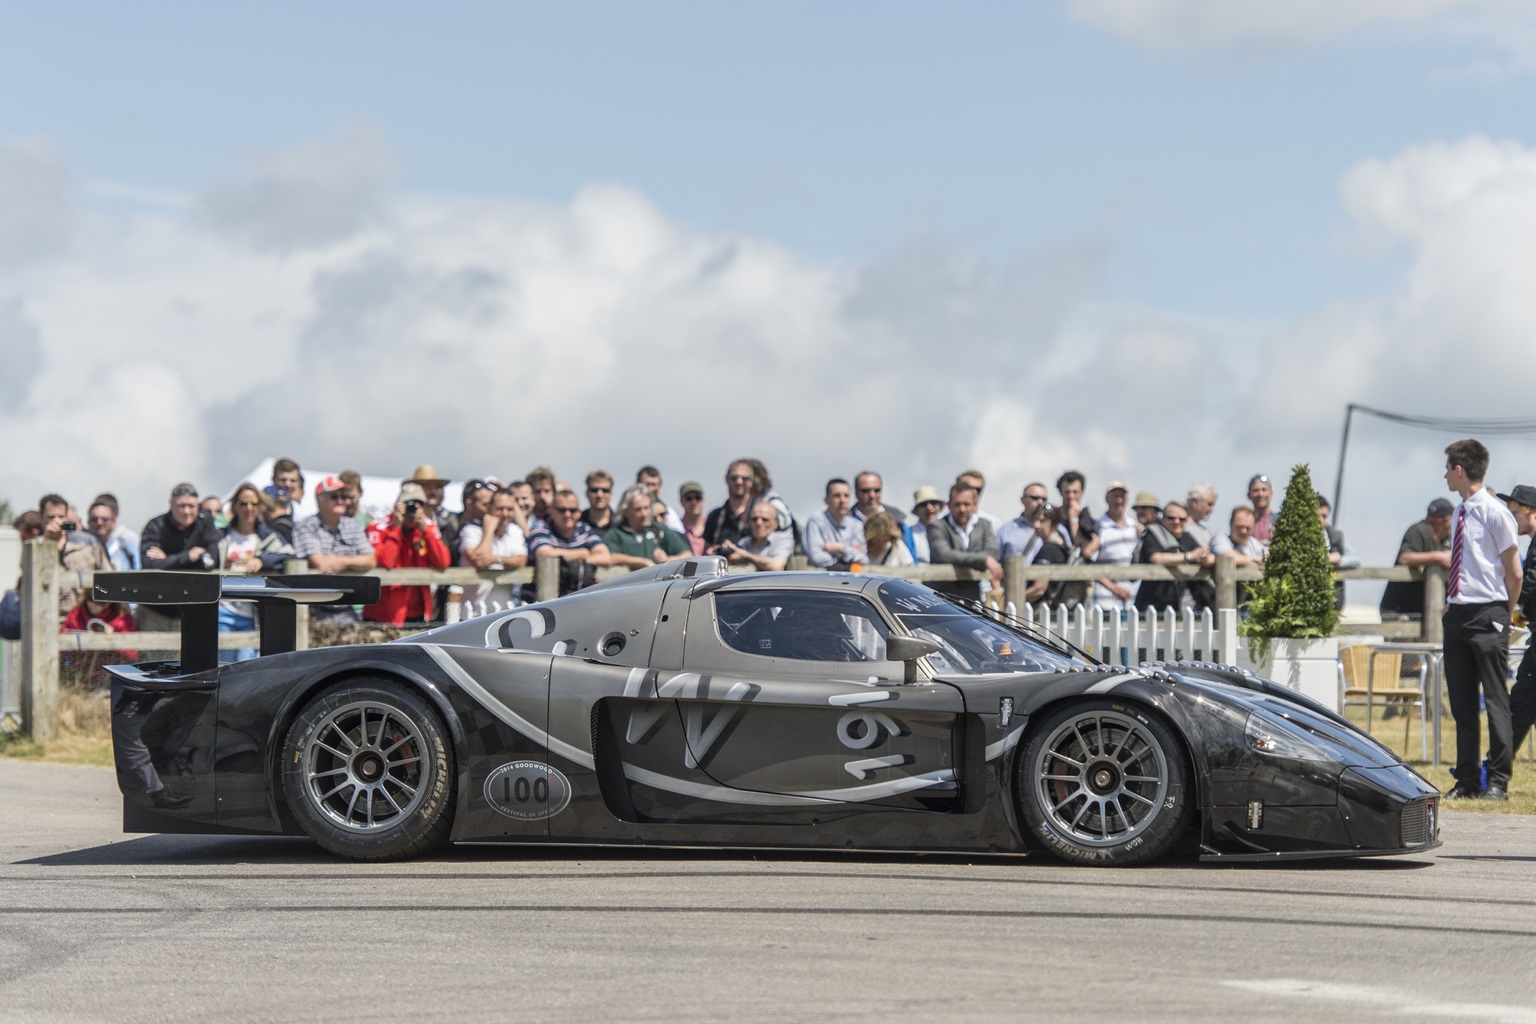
pixel 833 538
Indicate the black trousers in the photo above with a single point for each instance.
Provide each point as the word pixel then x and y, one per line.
pixel 1522 700
pixel 1477 659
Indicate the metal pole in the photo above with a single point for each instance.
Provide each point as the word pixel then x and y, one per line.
pixel 1338 482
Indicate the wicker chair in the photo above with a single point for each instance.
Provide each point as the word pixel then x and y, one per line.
pixel 1359 684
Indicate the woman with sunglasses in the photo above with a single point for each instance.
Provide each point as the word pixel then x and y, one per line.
pixel 248 546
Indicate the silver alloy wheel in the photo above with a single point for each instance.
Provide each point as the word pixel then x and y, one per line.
pixel 1102 777
pixel 362 766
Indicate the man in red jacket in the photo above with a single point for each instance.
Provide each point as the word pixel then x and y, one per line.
pixel 407 539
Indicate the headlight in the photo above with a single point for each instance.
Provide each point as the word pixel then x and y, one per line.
pixel 1272 735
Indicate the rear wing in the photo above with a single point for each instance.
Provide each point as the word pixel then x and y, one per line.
pixel 197 595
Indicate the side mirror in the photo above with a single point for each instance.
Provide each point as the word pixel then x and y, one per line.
pixel 908 649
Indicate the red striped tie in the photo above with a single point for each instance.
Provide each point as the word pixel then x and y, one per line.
pixel 1454 587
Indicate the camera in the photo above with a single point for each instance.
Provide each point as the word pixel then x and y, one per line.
pixel 412 506
pixel 69 526
pixel 207 561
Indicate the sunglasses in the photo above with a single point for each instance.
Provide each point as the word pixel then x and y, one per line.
pixel 100 519
pixel 739 479
pixel 1175 519
pixel 184 492
pixel 599 490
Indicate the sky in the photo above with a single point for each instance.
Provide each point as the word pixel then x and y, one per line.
pixel 1164 241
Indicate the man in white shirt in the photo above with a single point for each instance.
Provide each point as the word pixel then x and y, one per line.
pixel 1481 593
pixel 495 542
pixel 1239 541
pixel 1118 537
pixel 1201 500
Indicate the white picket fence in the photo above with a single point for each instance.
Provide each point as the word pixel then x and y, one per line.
pixel 1130 639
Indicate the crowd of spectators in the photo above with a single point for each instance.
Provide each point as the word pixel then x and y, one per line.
pixel 508 525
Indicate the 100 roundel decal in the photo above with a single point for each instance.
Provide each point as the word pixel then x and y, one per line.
pixel 528 790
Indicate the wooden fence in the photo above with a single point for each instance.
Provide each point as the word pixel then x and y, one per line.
pixel 32 692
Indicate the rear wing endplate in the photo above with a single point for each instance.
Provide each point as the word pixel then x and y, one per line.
pixel 197 595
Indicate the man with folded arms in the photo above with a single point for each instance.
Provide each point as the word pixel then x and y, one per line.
pixel 767 548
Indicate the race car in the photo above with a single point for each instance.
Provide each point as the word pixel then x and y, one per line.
pixel 683 705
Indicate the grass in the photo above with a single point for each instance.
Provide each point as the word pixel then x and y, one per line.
pixel 1522 783
pixel 85 731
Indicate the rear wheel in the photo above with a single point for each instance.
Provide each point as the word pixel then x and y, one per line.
pixel 1105 783
pixel 368 771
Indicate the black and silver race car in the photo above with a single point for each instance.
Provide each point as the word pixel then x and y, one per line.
pixel 684 706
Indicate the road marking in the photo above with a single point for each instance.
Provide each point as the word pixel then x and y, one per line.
pixel 1408 1004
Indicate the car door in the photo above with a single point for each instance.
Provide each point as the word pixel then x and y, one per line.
pixel 787 691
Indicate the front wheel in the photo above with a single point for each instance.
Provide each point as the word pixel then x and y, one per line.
pixel 368 771
pixel 1104 783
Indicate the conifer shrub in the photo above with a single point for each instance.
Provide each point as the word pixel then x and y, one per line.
pixel 1295 599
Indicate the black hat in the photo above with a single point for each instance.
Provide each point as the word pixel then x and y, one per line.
pixel 1439 507
pixel 1524 494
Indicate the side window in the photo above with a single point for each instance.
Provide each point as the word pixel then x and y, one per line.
pixel 801 625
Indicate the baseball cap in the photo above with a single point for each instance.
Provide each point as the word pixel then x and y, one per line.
pixel 1117 485
pixel 412 491
pixel 691 487
pixel 1524 494
pixel 329 484
pixel 1439 507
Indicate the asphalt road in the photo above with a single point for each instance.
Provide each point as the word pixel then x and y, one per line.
pixel 99 926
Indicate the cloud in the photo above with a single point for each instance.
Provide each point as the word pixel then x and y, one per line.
pixel 1456 336
pixel 1453 340
pixel 489 335
pixel 36 205
pixel 1192 26
pixel 304 196
pixel 21 353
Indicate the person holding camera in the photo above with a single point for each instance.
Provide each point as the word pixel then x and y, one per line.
pixel 407 538
pixel 79 552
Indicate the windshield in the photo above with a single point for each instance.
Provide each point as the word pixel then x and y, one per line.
pixel 969 644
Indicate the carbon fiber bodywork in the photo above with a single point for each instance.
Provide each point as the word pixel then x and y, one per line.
pixel 658 710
